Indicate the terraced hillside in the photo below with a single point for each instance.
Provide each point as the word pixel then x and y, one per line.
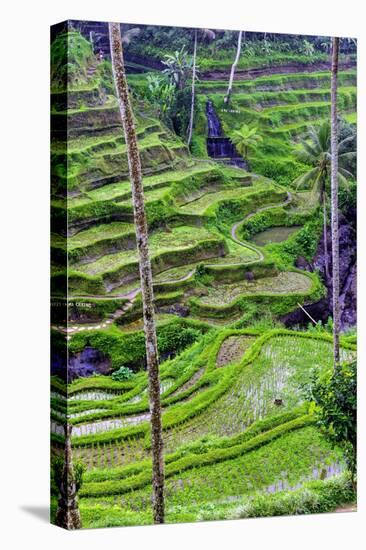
pixel 282 106
pixel 223 244
pixel 231 403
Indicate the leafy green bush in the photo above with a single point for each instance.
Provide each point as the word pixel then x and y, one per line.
pixel 313 498
pixel 283 171
pixel 347 197
pixel 202 276
pixel 123 373
pixel 176 338
pixel 336 397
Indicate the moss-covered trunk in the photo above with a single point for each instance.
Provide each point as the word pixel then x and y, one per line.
pixel 145 269
pixel 68 514
pixel 334 199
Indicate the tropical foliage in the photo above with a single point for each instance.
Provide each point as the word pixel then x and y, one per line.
pixel 315 151
pixel 199 329
pixel 178 67
pixel 245 139
pixel 335 395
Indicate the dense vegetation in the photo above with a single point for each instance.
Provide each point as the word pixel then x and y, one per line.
pixel 246 402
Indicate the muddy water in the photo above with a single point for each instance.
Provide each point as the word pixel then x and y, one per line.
pixel 109 424
pixel 274 235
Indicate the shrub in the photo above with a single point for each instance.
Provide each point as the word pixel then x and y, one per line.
pixel 123 373
pixel 202 276
pixel 336 397
pixel 314 497
pixel 176 338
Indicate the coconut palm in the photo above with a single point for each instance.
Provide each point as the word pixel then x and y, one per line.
pixel 244 139
pixel 326 45
pixel 211 35
pixel 334 200
pixel 308 48
pixel 233 67
pixel 315 151
pixel 145 269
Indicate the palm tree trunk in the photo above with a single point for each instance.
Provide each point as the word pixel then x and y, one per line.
pixel 68 514
pixel 145 269
pixel 193 89
pixel 233 67
pixel 326 255
pixel 334 201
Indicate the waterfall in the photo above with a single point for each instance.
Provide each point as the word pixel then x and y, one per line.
pixel 213 121
pixel 220 147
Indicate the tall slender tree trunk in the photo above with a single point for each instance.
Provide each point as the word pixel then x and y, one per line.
pixel 190 130
pixel 334 200
pixel 145 269
pixel 68 514
pixel 326 255
pixel 233 67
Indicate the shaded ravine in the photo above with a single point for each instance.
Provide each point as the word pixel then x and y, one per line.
pixel 322 309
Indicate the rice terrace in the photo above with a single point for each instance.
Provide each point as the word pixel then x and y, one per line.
pixel 254 311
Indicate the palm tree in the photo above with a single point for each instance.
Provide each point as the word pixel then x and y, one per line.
pixel 245 139
pixel 178 67
pixel 326 45
pixel 334 201
pixel 233 67
pixel 145 269
pixel 190 128
pixel 211 35
pixel 308 48
pixel 315 151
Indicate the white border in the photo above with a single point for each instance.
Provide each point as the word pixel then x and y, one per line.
pixel 24 218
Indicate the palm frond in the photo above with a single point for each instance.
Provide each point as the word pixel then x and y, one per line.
pixel 343 180
pixel 314 138
pixel 345 141
pixel 308 154
pixel 324 136
pixel 345 173
pixel 348 156
pixel 306 178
